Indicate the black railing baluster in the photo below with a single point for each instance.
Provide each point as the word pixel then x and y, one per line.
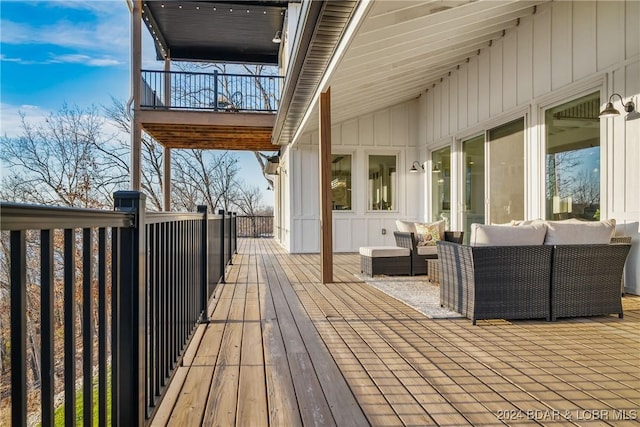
pixel 115 326
pixel 102 327
pixel 69 328
pixel 87 326
pixel 46 325
pixel 18 328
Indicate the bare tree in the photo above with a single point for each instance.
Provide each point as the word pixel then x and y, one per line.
pixel 117 155
pixel 57 162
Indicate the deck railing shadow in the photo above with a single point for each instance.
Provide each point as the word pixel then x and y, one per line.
pixel 117 296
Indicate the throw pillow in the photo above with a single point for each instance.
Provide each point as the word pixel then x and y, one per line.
pixel 427 234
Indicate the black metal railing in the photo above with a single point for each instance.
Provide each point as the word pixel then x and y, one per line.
pixel 210 91
pixel 255 226
pixel 151 276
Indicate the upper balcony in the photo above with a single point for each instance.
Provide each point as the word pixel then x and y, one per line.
pixel 195 110
pixel 210 110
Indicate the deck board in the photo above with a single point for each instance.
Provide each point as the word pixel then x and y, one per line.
pixel 281 349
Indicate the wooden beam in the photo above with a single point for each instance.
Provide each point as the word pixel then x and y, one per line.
pixel 326 228
pixel 207 118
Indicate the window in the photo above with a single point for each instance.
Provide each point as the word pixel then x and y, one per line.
pixel 382 182
pixel 341 182
pixel 506 172
pixel 441 185
pixel 573 159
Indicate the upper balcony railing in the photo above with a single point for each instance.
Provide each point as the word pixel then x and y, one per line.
pixel 178 90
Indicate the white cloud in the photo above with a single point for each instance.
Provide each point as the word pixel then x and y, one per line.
pixel 87 60
pixel 105 30
pixel 11 120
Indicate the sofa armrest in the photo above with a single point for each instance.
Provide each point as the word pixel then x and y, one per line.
pixel 454 236
pixel 405 239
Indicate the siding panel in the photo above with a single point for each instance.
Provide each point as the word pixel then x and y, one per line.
pixel 561 45
pixel 541 48
pixel 584 39
pixel 525 61
pixel 510 70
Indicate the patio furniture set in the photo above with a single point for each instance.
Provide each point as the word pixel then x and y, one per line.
pixel 527 270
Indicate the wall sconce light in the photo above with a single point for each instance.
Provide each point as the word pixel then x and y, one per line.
pixel 610 111
pixel 277 38
pixel 436 168
pixel 414 169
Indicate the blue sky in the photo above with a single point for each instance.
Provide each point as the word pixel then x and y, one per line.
pixel 74 51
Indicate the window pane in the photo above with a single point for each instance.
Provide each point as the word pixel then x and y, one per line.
pixel 341 182
pixel 473 190
pixel 573 159
pixel 506 172
pixel 441 185
pixel 382 182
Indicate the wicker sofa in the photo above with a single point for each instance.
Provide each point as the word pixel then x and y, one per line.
pixel 489 282
pixel 420 254
pixel 544 280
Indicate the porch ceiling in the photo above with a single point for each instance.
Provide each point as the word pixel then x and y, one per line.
pixel 216 31
pixel 403 48
pixel 210 130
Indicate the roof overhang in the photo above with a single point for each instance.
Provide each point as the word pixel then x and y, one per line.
pixel 401 50
pixel 216 31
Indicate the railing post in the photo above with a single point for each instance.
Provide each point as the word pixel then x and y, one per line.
pixel 230 238
pixel 222 262
pixel 129 315
pixel 18 328
pixel 204 269
pixel 235 233
pixel 215 90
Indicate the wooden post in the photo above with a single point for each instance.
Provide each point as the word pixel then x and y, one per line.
pixel 326 227
pixel 136 84
pixel 166 180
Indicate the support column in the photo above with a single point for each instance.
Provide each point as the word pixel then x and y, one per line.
pixel 136 77
pixel 326 226
pixel 166 179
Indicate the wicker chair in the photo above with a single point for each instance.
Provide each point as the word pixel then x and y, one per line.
pixel 586 280
pixel 418 261
pixel 489 282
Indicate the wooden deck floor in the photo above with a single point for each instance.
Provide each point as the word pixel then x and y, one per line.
pixel 283 350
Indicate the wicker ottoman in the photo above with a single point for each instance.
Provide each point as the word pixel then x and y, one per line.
pixel 389 260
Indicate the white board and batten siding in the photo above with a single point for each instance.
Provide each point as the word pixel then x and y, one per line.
pixel 391 131
pixel 563 51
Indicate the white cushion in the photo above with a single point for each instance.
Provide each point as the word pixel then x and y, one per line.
pixel 498 235
pixel 406 226
pixel 580 232
pixel 384 251
pixel 427 250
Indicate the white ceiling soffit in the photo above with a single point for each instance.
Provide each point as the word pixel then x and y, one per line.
pixel 403 48
pixel 324 25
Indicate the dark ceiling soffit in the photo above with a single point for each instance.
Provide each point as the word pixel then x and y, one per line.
pixel 313 18
pixel 174 38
